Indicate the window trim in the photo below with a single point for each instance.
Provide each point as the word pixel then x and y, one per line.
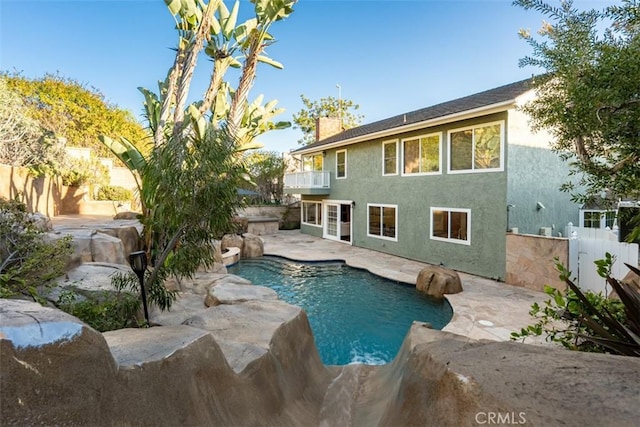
pixel 602 223
pixel 312 156
pixel 384 143
pixel 418 137
pixel 319 206
pixel 375 236
pixel 345 164
pixel 449 239
pixel 473 169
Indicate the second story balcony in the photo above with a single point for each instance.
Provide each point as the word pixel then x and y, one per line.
pixel 307 183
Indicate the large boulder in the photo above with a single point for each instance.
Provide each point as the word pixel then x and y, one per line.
pixel 231 241
pixel 129 236
pixel 231 293
pixel 55 370
pixel 436 281
pixel 92 246
pixel 253 246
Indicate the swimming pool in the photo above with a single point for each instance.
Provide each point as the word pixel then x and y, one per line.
pixel 355 316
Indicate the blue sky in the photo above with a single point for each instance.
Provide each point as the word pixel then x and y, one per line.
pixel 390 56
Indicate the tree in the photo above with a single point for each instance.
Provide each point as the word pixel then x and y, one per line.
pixel 305 119
pixel 588 96
pixel 19 134
pixel 267 169
pixel 65 108
pixel 189 180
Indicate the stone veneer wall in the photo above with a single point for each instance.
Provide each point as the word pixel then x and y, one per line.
pixel 530 260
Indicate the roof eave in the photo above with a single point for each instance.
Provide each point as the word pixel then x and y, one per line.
pixel 462 115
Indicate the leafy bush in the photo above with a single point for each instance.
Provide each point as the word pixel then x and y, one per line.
pixel 27 259
pixel 111 311
pixel 587 321
pixel 114 192
pixel 77 172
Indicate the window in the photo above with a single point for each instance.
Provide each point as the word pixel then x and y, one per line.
pixel 390 158
pixel 598 219
pixel 382 220
pixel 421 155
pixel 451 225
pixel 313 163
pixel 341 164
pixel 477 148
pixel 312 213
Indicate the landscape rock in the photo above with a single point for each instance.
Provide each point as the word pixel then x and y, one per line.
pixel 436 281
pixel 127 234
pixel 87 279
pixel 92 246
pixel 253 246
pixel 41 221
pixel 126 215
pixel 231 240
pixel 55 369
pixel 231 293
pixel 255 363
pixel 253 323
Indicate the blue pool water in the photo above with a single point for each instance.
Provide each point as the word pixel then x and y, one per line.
pixel 355 316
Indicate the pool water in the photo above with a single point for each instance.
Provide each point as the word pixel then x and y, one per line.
pixel 355 316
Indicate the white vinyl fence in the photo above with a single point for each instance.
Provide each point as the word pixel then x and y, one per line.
pixel 587 245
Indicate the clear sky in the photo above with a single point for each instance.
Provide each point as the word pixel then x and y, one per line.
pixel 388 56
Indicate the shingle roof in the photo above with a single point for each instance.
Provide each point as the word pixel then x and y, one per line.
pixel 471 102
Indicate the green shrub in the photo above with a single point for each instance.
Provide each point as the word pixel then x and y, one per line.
pixel 27 259
pixel 108 312
pixel 77 172
pixel 114 192
pixel 589 321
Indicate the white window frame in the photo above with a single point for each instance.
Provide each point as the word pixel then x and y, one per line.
pixel 318 213
pixel 602 224
pixel 376 236
pixel 384 143
pixel 450 240
pixel 403 140
pixel 473 148
pixel 345 164
pixel 306 156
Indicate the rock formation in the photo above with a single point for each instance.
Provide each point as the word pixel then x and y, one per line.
pixel 437 281
pixel 255 363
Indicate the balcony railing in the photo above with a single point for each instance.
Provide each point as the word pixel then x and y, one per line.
pixel 307 180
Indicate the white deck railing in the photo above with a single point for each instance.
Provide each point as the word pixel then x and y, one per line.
pixel 307 180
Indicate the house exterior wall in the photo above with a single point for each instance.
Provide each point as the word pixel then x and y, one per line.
pixel 483 193
pixel 535 174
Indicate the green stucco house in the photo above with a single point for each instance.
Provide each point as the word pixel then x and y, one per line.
pixel 441 185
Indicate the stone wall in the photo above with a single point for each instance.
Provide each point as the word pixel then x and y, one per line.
pixel 285 214
pixel 530 260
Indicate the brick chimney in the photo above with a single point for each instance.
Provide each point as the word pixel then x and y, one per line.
pixel 327 126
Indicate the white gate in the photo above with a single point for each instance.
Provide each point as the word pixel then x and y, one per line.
pixel 585 248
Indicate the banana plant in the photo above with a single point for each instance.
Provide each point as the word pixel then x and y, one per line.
pixel 128 154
